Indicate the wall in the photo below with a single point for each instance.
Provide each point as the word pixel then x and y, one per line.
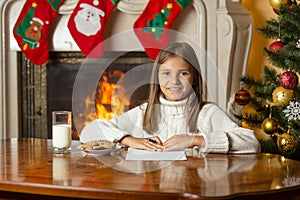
pixel 260 11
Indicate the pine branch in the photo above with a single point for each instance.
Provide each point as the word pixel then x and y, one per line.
pixel 289 20
pixel 258 104
pixel 250 82
pixel 270 76
pixel 270 30
pixel 289 15
pixel 253 119
pixel 276 59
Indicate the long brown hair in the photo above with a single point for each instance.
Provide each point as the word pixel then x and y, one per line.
pixel 195 102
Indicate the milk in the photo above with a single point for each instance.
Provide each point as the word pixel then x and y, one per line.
pixel 61 136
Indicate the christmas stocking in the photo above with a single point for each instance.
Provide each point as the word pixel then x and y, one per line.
pixel 87 22
pixel 152 26
pixel 31 28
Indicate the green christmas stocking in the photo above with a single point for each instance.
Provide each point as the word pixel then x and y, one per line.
pixel 31 28
pixel 152 26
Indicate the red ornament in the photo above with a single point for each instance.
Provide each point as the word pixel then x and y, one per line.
pixel 242 97
pixel 289 80
pixel 276 46
pixel 276 11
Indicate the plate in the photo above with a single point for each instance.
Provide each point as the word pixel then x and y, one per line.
pixel 103 152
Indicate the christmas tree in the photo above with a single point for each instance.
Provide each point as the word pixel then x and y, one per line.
pixel 276 96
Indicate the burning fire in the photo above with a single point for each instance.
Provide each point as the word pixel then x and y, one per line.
pixel 110 100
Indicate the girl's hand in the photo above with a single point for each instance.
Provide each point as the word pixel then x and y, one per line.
pixel 150 144
pixel 181 142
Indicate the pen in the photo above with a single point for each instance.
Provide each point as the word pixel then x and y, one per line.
pixel 151 140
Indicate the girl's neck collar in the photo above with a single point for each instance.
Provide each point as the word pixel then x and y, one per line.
pixel 165 101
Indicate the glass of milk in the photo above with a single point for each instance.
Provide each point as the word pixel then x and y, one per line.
pixel 61 131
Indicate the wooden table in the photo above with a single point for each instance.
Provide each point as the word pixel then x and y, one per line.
pixel 30 170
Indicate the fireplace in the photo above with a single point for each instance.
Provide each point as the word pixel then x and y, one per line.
pixel 221 28
pixel 49 87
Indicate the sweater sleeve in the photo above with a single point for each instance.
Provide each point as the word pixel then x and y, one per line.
pixel 114 129
pixel 222 135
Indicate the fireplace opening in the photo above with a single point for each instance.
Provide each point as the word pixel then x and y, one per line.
pixel 47 88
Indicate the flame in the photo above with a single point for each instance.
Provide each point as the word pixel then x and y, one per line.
pixel 89 116
pixel 110 100
pixel 119 102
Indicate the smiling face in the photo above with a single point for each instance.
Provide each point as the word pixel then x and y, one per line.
pixel 175 78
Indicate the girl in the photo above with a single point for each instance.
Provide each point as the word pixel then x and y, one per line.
pixel 175 116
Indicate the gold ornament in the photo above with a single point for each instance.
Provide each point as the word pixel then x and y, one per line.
pixel 285 162
pixel 277 183
pixel 287 142
pixel 282 96
pixel 270 125
pixel 276 3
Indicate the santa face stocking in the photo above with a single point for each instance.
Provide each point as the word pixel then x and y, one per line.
pixel 87 22
pixel 31 28
pixel 152 26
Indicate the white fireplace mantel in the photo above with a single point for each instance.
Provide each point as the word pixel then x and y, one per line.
pixel 223 28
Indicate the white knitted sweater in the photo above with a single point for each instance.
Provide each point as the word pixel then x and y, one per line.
pixel 220 133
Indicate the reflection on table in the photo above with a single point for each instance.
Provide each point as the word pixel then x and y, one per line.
pixel 29 168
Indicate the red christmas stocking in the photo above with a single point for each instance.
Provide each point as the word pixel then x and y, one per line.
pixel 31 28
pixel 87 22
pixel 152 26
